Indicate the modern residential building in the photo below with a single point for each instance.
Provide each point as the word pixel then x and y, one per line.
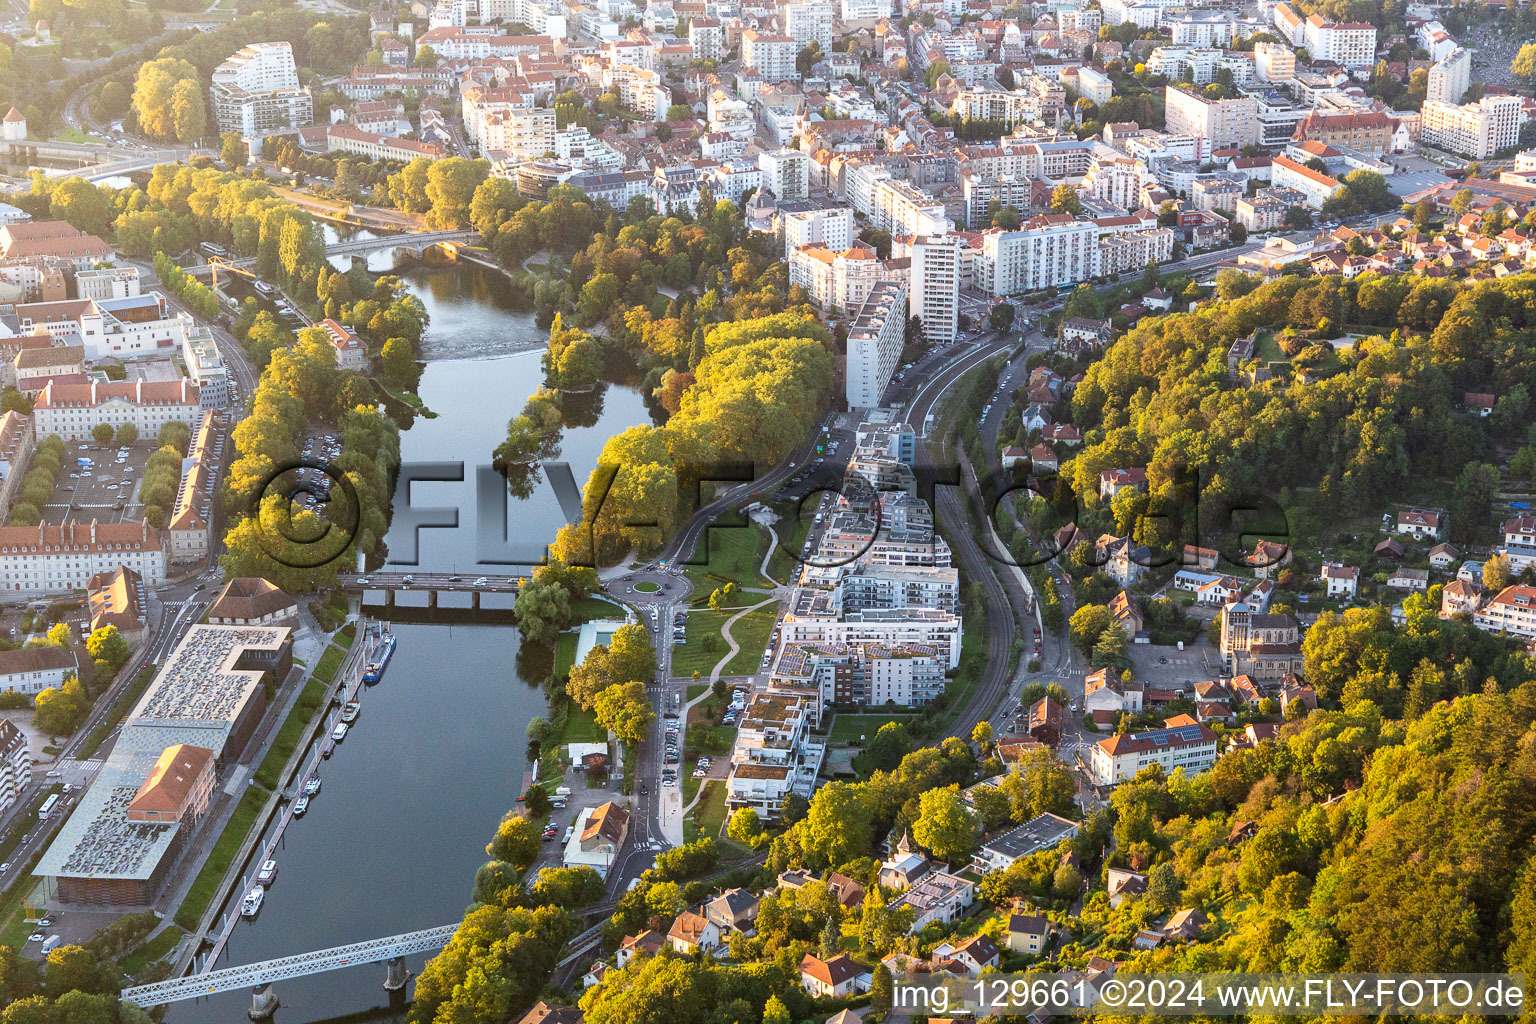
pixel 774 754
pixel 15 764
pixel 1218 122
pixel 1049 251
pixel 1351 44
pixel 829 227
pixel 934 294
pixel 256 92
pixel 1449 77
pixel 1315 185
pixel 875 340
pixel 1512 611
pixel 1477 130
pixel 771 56
pixel 1274 62
pixel 786 173
pixel 1042 832
pixel 1118 758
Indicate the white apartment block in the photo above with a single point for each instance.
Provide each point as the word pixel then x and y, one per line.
pixel 1512 610
pixel 923 627
pixel 15 764
pixel 1133 250
pixel 1349 43
pixel 839 280
pixel 981 193
pixel 523 133
pixel 256 92
pixel 1274 62
pixel 864 10
pixel 771 56
pixel 707 37
pixel 904 209
pixel 1094 86
pixel 1315 185
pixel 32 670
pixel 875 340
pixel 1203 28
pixel 1477 130
pixel 935 285
pixel 1118 758
pixel 47 559
pixel 1219 123
pixel 1003 105
pixel 1449 77
pixel 1049 252
pixel 830 228
pixel 806 23
pixel 774 753
pixel 107 328
pixel 1114 178
pixel 786 173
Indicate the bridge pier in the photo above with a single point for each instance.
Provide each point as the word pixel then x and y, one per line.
pixel 396 975
pixel 474 600
pixel 432 599
pixel 264 1002
pixel 389 598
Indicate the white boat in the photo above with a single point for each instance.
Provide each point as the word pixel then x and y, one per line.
pixel 252 902
pixel 268 873
pixel 349 711
pixel 340 732
pixel 300 806
pixel 312 785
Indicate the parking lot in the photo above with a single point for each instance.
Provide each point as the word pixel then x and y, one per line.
pixel 106 490
pixel 1171 668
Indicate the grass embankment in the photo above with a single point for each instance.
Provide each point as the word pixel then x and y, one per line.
pixel 311 699
pixel 329 663
pixel 223 853
pixel 151 951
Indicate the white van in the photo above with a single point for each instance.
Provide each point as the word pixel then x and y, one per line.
pixel 50 944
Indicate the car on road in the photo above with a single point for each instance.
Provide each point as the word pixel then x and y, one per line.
pixel 482 581
pixel 644 790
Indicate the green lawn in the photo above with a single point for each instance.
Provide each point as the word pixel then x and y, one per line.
pixel 330 662
pixel 581 727
pixel 704 645
pixel 734 555
pixel 1268 348
pixel 14 928
pixel 690 785
pixel 565 654
pixel 847 729
pixel 710 812
pixel 151 951
pixel 596 608
pixel 239 826
pixel 346 636
pixel 647 587
pixel 751 631
pixel 311 699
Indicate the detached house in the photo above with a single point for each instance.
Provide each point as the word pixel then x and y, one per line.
pixel 937 896
pixel 692 932
pixel 1113 481
pixel 732 910
pixel 1268 556
pixel 974 955
pixel 1420 524
pixel 1028 934
pixel 837 978
pixel 1339 579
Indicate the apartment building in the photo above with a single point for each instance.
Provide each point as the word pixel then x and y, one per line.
pixel 815 618
pixel 522 133
pixel 1117 759
pixel 786 173
pixel 1449 77
pixel 830 227
pixel 1050 251
pixel 343 138
pixel 1133 250
pixel 901 208
pixel 15 764
pixel 876 337
pixel 31 670
pixel 47 559
pixel 808 23
pixel 107 328
pixel 256 92
pixel 770 56
pixel 900 534
pixel 1512 611
pixel 1369 132
pixel 1316 186
pixel 867 675
pixel 1219 123
pixel 187 530
pixel 707 38
pixel 1477 130
pixel 1351 44
pixel 16 443
pixel 1274 62
pixel 934 293
pixel 774 754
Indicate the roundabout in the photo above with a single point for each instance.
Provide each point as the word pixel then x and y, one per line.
pixel 650 587
pixel 646 587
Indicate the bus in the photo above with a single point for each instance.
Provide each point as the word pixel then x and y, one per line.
pixel 46 811
pixel 209 249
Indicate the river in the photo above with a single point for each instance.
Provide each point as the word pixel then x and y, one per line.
pixel 409 800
